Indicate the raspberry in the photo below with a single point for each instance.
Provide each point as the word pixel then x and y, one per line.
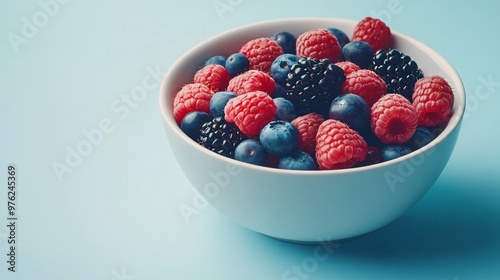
pixel 433 100
pixel 261 53
pixel 319 44
pixel 192 97
pixel 308 128
pixel 250 111
pixel 393 119
pixel 374 32
pixel 348 67
pixel 366 84
pixel 338 146
pixel 213 76
pixel 251 80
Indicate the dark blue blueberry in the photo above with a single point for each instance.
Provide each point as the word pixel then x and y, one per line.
pixel 192 122
pixel 219 101
pixel 421 137
pixel 279 91
pixel 436 130
pixel 279 137
pixel 340 35
pixel 372 157
pixel 359 53
pixel 281 67
pixel 390 152
pixel 251 151
pixel 285 109
pixel 352 110
pixel 285 40
pixel 216 59
pixel 372 139
pixel 297 160
pixel 237 63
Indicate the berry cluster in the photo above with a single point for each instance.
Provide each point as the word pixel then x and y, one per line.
pixel 316 101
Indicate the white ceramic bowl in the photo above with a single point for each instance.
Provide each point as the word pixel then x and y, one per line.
pixel 308 206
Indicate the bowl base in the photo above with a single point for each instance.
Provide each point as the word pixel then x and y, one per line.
pixel 301 242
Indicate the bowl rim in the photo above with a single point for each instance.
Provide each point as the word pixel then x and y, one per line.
pixel 453 123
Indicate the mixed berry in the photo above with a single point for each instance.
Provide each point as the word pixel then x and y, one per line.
pixel 320 100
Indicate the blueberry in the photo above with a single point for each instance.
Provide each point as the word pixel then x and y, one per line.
pixel 340 35
pixel 279 137
pixel 393 151
pixel 216 59
pixel 237 63
pixel 372 139
pixel 219 101
pixel 359 53
pixel 420 138
pixel 281 67
pixel 285 40
pixel 352 110
pixel 436 130
pixel 372 157
pixel 297 160
pixel 192 122
pixel 279 91
pixel 286 110
pixel 251 151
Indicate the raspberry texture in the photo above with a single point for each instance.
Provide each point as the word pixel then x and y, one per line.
pixel 374 32
pixel 348 67
pixel 308 125
pixel 433 100
pixel 393 119
pixel 192 97
pixel 251 80
pixel 338 146
pixel 250 111
pixel 261 53
pixel 213 76
pixel 366 84
pixel 319 44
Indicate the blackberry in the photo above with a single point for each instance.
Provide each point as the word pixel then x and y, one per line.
pixel 220 136
pixel 312 84
pixel 398 71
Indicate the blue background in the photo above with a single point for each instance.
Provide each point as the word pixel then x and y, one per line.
pixel 115 213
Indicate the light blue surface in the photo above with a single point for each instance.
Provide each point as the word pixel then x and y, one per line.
pixel 115 213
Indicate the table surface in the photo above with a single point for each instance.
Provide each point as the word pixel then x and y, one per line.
pixel 67 70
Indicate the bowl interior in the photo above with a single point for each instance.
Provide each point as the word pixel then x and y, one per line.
pixel 226 43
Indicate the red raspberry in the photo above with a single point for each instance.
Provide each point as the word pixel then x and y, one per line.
pixel 374 32
pixel 213 76
pixel 348 67
pixel 251 80
pixel 433 100
pixel 307 126
pixel 366 84
pixel 338 146
pixel 250 111
pixel 261 53
pixel 319 44
pixel 192 97
pixel 393 119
